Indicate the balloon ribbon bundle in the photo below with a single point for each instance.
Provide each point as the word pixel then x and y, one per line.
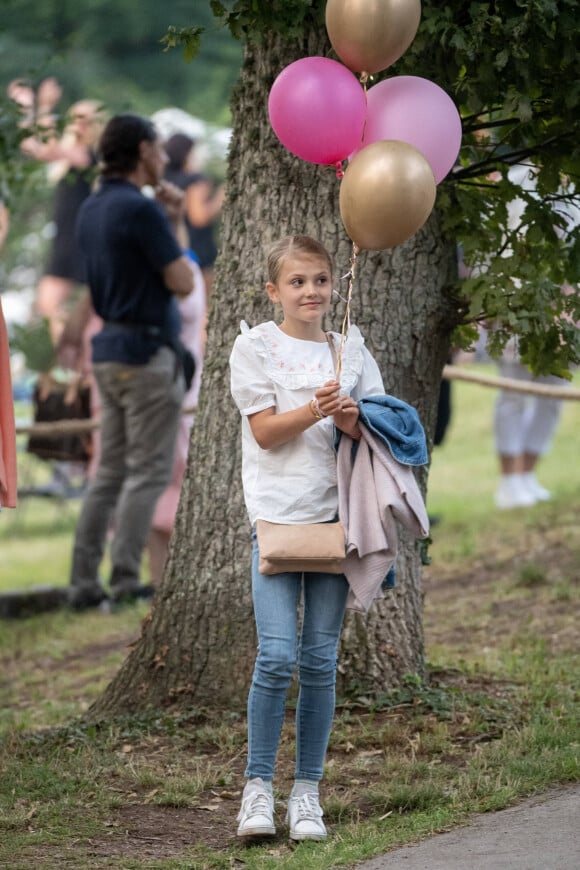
pixel 346 318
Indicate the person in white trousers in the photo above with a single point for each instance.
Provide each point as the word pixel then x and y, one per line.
pixel 524 426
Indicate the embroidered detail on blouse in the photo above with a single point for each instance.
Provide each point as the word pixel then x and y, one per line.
pixel 292 374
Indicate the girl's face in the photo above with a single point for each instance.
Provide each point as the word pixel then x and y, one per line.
pixel 303 288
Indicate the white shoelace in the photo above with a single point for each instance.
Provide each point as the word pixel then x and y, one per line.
pixel 307 807
pixel 257 803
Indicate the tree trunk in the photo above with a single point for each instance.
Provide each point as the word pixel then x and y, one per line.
pixel 198 644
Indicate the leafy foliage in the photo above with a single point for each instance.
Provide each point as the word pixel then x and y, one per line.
pixel 513 69
pixel 188 37
pixel 123 65
pixel 252 19
pixel 34 341
pixel 14 172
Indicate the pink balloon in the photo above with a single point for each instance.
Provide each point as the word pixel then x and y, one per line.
pixel 419 112
pixel 317 110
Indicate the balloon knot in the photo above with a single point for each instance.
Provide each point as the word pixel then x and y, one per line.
pixel 364 77
pixel 339 169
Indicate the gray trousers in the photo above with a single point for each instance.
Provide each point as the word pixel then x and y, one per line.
pixel 141 407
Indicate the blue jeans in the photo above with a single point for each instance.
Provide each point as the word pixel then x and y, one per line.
pixel 276 599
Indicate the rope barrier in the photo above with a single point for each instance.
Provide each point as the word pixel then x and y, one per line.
pixel 458 373
pixel 59 427
pixel 68 427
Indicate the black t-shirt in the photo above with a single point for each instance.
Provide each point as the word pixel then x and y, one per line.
pixel 201 239
pixel 126 240
pixel 65 258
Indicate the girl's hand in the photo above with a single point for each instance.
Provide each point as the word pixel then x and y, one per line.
pixel 328 398
pixel 346 417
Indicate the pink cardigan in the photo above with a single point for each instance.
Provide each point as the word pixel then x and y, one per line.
pixel 373 493
pixel 7 429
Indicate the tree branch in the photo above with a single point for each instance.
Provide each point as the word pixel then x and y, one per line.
pixel 498 162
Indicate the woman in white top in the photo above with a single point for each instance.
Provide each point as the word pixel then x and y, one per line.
pixel 284 385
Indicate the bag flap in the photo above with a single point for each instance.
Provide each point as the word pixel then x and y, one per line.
pixel 314 541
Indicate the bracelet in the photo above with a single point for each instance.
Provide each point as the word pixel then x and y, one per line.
pixel 318 408
pixel 315 408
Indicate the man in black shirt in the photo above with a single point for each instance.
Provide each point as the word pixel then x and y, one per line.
pixel 135 271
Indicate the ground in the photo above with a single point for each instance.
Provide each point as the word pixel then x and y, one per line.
pixel 516 591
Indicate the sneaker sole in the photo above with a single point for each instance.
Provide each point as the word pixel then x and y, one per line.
pixel 513 505
pixel 257 832
pixel 297 837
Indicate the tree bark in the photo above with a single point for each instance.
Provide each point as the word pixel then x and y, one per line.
pixel 198 644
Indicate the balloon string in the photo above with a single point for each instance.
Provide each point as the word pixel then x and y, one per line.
pixel 364 77
pixel 346 319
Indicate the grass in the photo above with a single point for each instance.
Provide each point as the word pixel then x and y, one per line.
pixel 497 718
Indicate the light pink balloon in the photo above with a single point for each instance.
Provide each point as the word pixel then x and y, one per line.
pixel 419 112
pixel 317 110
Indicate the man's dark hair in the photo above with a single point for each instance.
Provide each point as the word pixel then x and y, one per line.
pixel 119 144
pixel 177 148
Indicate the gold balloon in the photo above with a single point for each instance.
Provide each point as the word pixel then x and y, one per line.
pixel 386 195
pixel 370 35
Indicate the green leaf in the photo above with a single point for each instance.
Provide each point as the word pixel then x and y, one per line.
pixel 189 38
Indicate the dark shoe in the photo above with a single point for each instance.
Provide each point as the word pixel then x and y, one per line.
pixel 85 599
pixel 131 596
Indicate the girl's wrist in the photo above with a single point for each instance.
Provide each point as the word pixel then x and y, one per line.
pixel 316 409
pixel 353 433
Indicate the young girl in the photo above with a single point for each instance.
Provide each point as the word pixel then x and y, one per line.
pixel 284 385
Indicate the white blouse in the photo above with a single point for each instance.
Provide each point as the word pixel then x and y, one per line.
pixel 295 482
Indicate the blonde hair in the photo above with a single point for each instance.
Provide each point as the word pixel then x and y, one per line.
pixel 290 245
pixel 91 111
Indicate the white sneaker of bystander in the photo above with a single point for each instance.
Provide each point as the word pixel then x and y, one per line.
pixel 531 483
pixel 512 492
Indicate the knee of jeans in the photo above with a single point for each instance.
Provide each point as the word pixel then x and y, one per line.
pixel 317 672
pixel 274 668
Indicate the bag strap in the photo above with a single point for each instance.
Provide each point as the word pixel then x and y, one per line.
pixel 334 355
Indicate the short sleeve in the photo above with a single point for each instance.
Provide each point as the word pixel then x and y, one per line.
pixel 251 388
pixel 156 237
pixel 370 382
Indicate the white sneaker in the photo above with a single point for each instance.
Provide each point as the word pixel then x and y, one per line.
pixel 512 493
pixel 530 482
pixel 256 816
pixel 304 817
